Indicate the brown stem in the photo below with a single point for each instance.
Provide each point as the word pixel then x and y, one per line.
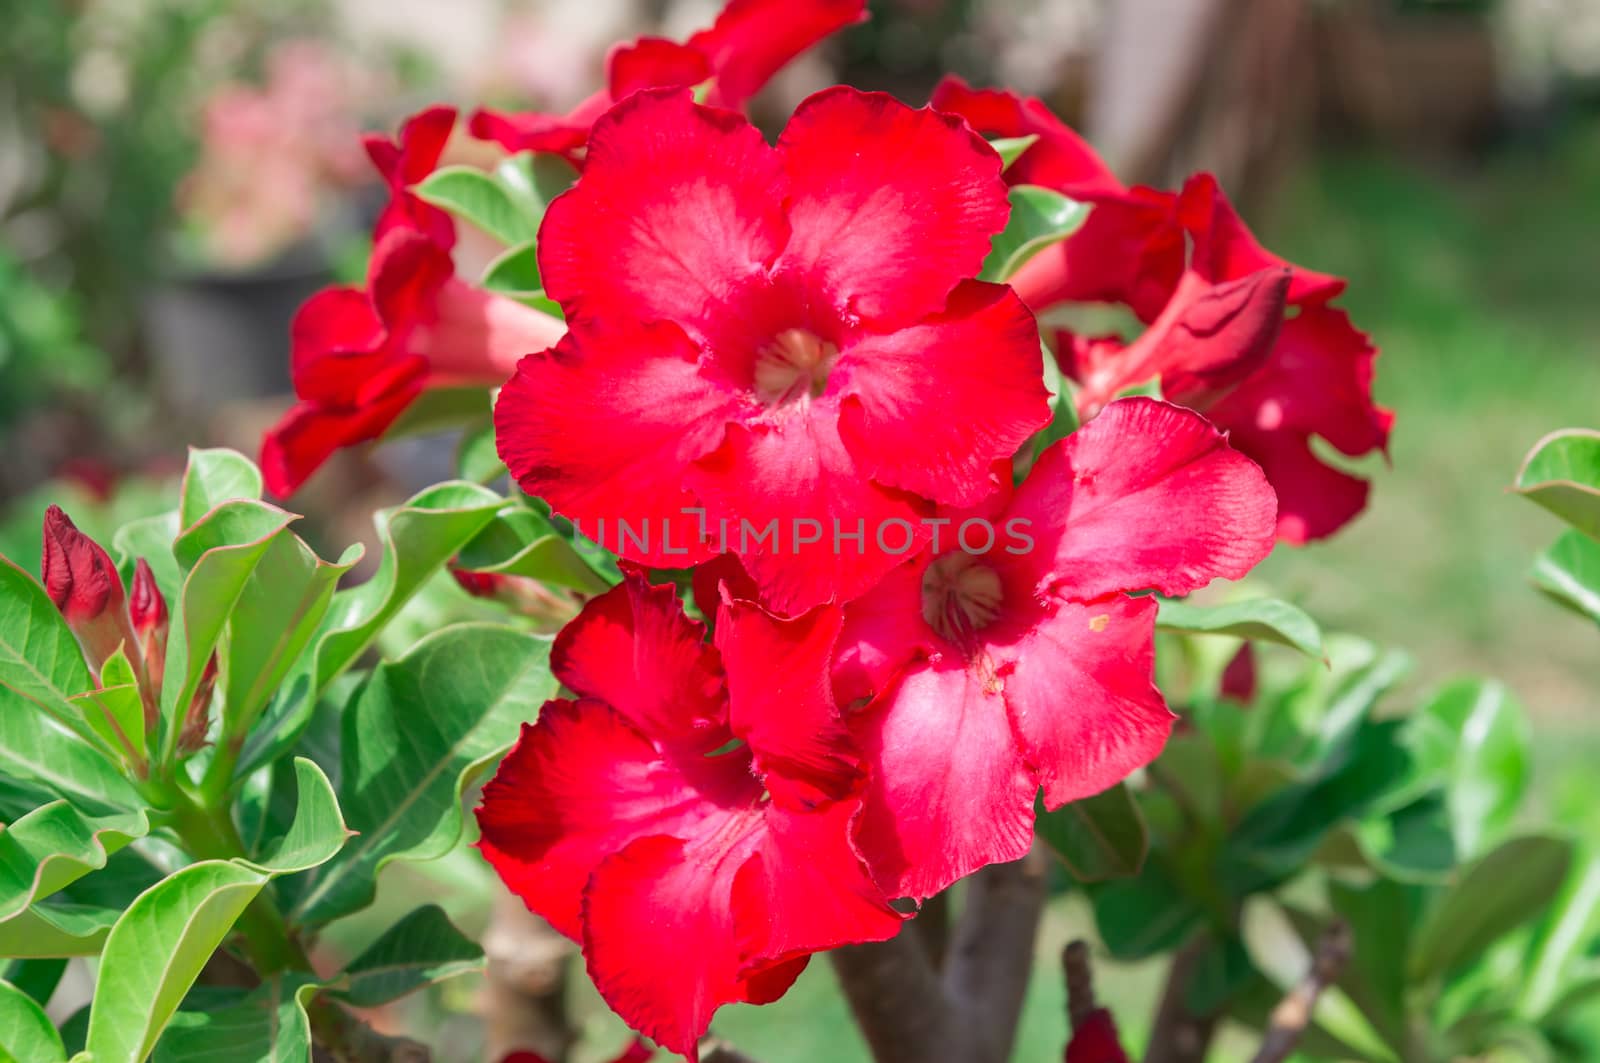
pixel 933 927
pixel 525 989
pixel 908 1014
pixel 1178 1034
pixel 716 1050
pixel 1293 1013
pixel 1080 983
pixel 343 1038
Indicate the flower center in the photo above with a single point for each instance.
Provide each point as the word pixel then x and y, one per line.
pixel 960 596
pixel 794 366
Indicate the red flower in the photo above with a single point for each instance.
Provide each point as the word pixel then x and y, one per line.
pixel 1095 1040
pixel 1012 656
pixel 693 874
pixel 360 356
pixel 77 572
pixel 1186 263
pixel 781 337
pixel 750 42
pixel 405 161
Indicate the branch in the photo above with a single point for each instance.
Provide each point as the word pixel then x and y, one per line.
pixel 716 1050
pixel 1179 1035
pixel 526 985
pixel 343 1038
pixel 1293 1013
pixel 1080 983
pixel 908 1014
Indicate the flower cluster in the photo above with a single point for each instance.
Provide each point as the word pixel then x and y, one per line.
pixel 783 366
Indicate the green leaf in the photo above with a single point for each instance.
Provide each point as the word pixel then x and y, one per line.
pixel 1039 217
pixel 26 1033
pixel 1562 474
pixel 1565 934
pixel 273 622
pixel 269 1025
pixel 515 274
pixel 521 542
pixel 219 554
pixel 1486 769
pixel 1010 149
pixel 1099 837
pixel 54 928
pixel 421 729
pixel 533 179
pixel 1141 916
pixel 151 538
pixel 1258 619
pixel 1569 573
pixel 40 663
pixel 42 736
pixel 477 460
pixel 116 710
pixel 1501 890
pixel 37 978
pixel 55 845
pixel 156 950
pixel 440 409
pixel 317 832
pixel 480 199
pixel 419 950
pixel 213 477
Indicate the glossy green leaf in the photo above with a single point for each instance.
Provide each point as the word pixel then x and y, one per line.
pixel 115 712
pixel 421 729
pixel 272 623
pixel 56 928
pixel 1500 891
pixel 520 542
pixel 440 409
pixel 268 1025
pixel 1569 573
pixel 419 950
pixel 1412 844
pixel 1257 619
pixel 41 666
pixel 37 978
pixel 1099 837
pixel 26 1032
pixel 218 555
pixel 151 538
pixel 515 274
pixel 1141 916
pixel 1562 474
pixel 315 834
pixel 213 477
pixel 156 950
pixel 533 179
pixel 55 845
pixel 1566 933
pixel 477 460
pixel 1039 217
pixel 478 198
pixel 1010 149
pixel 1486 770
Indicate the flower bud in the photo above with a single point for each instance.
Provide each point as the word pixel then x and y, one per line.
pixel 1239 678
pixel 548 608
pixel 77 572
pixel 197 720
pixel 147 611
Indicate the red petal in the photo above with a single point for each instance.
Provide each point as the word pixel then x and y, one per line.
pixel 1146 495
pixel 795 476
pixel 723 570
pixel 310 433
pixel 604 425
pixel 1239 678
pixel 1317 381
pixel 654 63
pixel 753 39
pixel 1095 1040
pixel 335 342
pixel 564 135
pixel 1059 159
pixel 580 785
pixel 890 207
pixel 1130 250
pixel 929 408
pixel 407 161
pixel 687 246
pixel 883 632
pixel 76 571
pixel 634 649
pixel 1082 695
pixel 948 790
pixel 781 702
pixel 1224 249
pixel 405 275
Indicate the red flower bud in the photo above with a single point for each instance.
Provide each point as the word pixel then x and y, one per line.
pixel 1095 1040
pixel 146 608
pixel 478 584
pixel 197 720
pixel 1239 678
pixel 78 573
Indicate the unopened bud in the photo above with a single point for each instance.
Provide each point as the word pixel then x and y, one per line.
pixel 197 720
pixel 147 611
pixel 549 609
pixel 77 572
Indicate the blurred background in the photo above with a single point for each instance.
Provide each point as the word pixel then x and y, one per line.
pixel 177 175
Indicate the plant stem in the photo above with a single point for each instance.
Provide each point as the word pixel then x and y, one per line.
pixel 1178 1035
pixel 209 833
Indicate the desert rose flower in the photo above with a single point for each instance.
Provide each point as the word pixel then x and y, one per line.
pixel 779 339
pixel 405 161
pixel 750 41
pixel 360 355
pixel 694 869
pixel 1170 254
pixel 1003 663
